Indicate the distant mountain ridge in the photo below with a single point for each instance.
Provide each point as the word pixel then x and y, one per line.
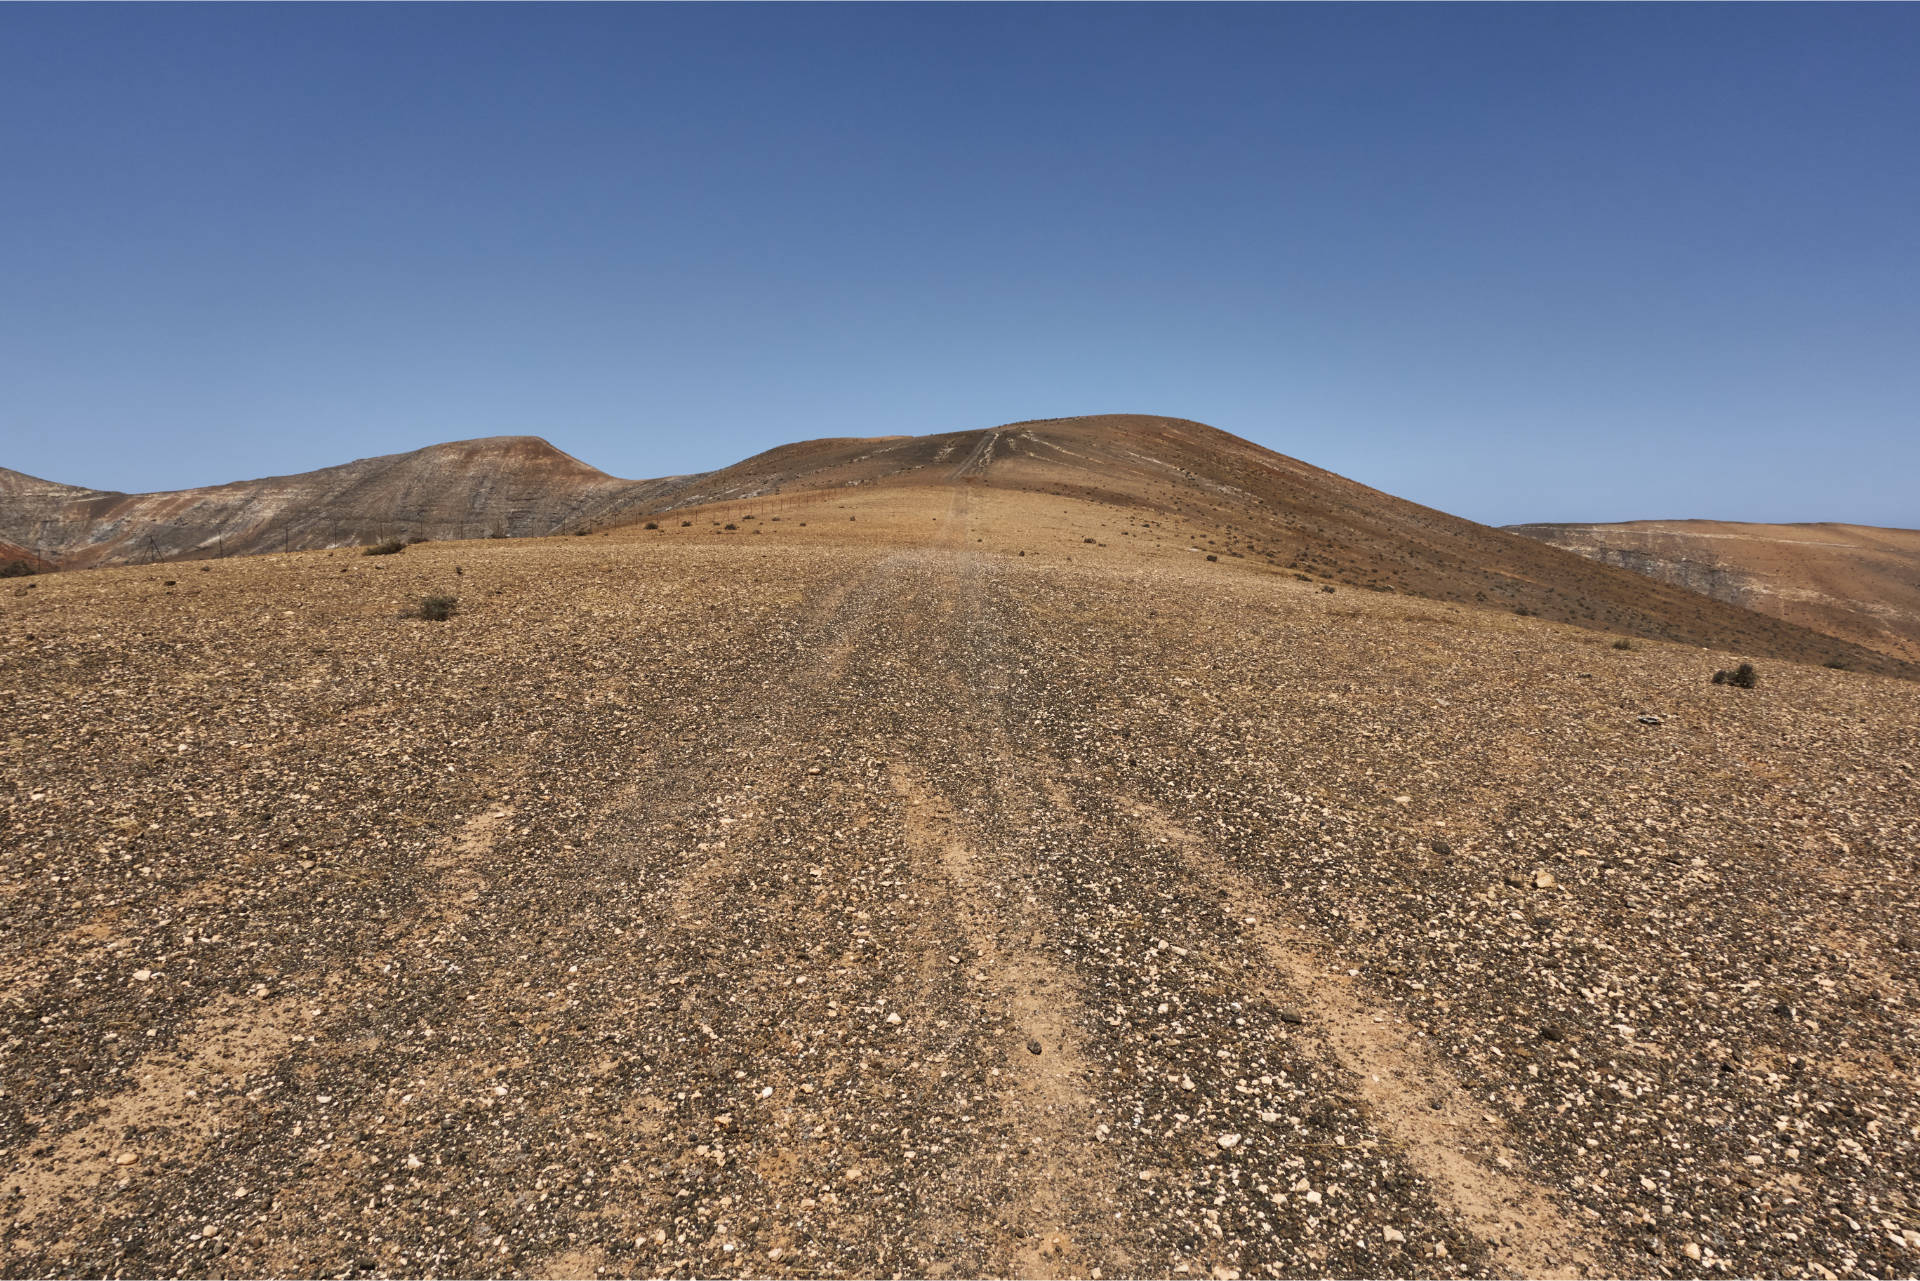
pixel 511 486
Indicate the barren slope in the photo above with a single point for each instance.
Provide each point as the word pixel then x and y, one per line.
pixel 1855 582
pixel 499 485
pixel 1207 489
pixel 850 893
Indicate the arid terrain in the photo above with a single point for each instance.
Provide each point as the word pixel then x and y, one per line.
pixel 996 865
pixel 1191 487
pixel 1856 582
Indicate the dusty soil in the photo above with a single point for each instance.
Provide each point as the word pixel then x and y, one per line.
pixel 853 894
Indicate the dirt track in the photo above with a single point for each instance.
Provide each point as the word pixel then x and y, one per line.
pixel 767 904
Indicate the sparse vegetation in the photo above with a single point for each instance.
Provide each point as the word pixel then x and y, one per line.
pixel 17 569
pixel 437 609
pixel 1623 643
pixel 392 547
pixel 652 524
pixel 1741 677
pixel 1839 664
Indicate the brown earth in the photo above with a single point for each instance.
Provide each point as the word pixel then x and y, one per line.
pixel 1858 583
pixel 899 884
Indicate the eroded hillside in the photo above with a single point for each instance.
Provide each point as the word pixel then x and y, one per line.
pixel 1854 582
pixel 500 486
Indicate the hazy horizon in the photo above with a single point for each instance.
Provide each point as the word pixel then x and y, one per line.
pixel 1518 264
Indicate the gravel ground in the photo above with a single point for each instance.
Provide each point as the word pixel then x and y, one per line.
pixel 884 901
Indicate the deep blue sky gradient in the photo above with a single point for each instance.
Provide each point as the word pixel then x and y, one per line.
pixel 1555 263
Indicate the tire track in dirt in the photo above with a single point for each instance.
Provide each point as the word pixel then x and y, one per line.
pixel 842 620
pixel 959 832
pixel 1471 1178
pixel 1051 1112
pixel 184 1097
pixel 979 458
pixel 1411 1095
pixel 232 1040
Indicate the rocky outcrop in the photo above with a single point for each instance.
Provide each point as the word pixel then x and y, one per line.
pixel 1667 563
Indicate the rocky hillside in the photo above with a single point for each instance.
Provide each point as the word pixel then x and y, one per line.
pixel 510 486
pixel 1859 583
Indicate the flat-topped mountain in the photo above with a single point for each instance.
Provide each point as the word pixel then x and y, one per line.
pixel 1860 583
pixel 509 486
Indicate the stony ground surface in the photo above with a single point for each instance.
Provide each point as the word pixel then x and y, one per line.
pixel 910 887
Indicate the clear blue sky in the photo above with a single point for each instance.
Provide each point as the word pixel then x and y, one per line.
pixel 1556 263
